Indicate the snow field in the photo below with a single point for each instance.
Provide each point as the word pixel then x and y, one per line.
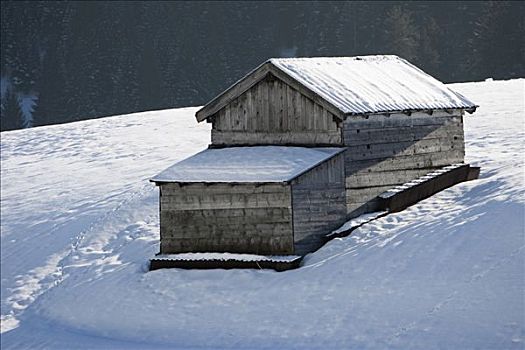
pixel 80 221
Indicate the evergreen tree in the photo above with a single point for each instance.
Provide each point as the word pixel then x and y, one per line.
pixel 10 118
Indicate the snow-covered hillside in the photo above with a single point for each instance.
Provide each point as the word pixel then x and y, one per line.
pixel 80 221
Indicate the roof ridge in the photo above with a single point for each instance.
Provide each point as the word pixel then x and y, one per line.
pixel 355 58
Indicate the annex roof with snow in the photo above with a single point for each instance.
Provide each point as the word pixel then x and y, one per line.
pixel 264 164
pixel 352 85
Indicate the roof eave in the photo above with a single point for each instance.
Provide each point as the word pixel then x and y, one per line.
pixel 469 109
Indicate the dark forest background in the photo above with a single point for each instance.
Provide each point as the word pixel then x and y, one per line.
pixel 66 61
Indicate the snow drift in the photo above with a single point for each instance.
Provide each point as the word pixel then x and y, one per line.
pixel 80 221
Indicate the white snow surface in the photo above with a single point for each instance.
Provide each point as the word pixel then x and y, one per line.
pixel 371 84
pixel 246 164
pixel 226 256
pixel 80 221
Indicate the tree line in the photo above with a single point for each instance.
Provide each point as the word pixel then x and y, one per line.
pixel 66 61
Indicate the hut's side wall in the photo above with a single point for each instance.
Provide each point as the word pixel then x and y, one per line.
pixel 319 206
pixel 244 218
pixel 384 151
pixel 272 112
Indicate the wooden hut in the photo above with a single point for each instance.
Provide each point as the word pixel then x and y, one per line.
pixel 299 145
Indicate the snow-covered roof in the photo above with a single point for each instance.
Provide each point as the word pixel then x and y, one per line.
pixel 371 84
pixel 246 164
pixel 352 85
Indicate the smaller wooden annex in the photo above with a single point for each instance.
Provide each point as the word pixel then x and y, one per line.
pixel 266 200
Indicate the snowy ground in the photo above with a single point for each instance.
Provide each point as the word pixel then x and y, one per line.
pixel 80 220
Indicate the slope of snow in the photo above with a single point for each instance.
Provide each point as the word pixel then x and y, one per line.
pixel 247 164
pixel 80 221
pixel 371 84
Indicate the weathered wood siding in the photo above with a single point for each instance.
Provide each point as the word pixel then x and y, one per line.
pixel 272 112
pixel 243 218
pixel 384 151
pixel 319 206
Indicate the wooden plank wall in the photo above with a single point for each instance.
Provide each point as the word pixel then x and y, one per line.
pixel 319 206
pixel 385 151
pixel 272 112
pixel 243 218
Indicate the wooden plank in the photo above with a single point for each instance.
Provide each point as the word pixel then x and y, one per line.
pixel 370 179
pixel 219 120
pixel 218 188
pixel 358 195
pixel 225 217
pixel 259 138
pixel 373 136
pixel 429 160
pixel 225 201
pixel 277 103
pixel 396 149
pixel 269 214
pixel 399 120
pixel 284 107
pixel 310 113
pixel 258 100
pixel 290 93
pixel 265 112
pixel 249 117
pixel 298 113
pixel 273 120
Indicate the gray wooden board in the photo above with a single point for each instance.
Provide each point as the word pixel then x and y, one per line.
pixel 394 177
pixel 403 162
pixel 408 148
pixel 397 120
pixel 453 131
pixel 232 138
